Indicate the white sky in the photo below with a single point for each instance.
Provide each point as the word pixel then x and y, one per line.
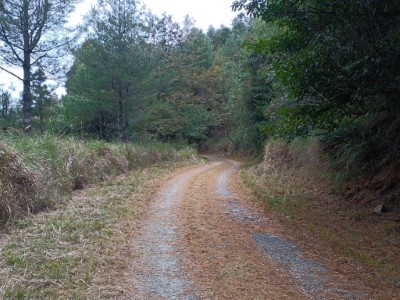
pixel 204 12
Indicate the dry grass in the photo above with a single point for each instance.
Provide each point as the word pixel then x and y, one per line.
pixel 23 180
pixel 41 172
pixel 294 182
pixel 80 250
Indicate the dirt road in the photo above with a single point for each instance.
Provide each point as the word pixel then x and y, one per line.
pixel 204 238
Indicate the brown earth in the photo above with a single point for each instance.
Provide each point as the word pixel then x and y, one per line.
pixel 205 237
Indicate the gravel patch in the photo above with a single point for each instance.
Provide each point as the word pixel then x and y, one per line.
pixel 232 207
pixel 157 269
pixel 236 211
pixel 312 276
pixel 223 180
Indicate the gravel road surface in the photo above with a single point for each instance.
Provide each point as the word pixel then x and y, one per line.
pixel 204 237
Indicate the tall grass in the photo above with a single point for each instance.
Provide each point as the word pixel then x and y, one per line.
pixel 39 172
pixel 304 155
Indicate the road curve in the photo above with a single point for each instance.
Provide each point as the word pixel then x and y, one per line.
pixel 202 238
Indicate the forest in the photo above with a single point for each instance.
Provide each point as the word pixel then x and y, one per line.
pixel 136 76
pixel 308 90
pixel 301 68
pixel 298 69
pixel 282 70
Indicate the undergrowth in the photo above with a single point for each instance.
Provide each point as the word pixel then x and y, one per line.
pixel 366 154
pixel 38 173
pixel 297 182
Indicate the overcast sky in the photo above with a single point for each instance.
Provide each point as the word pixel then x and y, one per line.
pixel 204 12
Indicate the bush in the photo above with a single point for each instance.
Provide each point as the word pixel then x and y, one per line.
pixel 39 172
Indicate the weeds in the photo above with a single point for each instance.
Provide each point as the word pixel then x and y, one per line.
pixel 77 250
pixel 80 250
pixel 40 172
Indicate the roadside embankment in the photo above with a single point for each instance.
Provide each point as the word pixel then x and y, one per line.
pixel 82 249
pixel 297 182
pixel 37 173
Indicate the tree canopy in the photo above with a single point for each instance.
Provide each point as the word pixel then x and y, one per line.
pixel 282 69
pixel 339 60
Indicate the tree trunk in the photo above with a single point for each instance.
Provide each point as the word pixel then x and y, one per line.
pixel 126 120
pixel 27 96
pixel 41 116
pixel 5 102
pixel 102 135
pixel 102 121
pixel 121 121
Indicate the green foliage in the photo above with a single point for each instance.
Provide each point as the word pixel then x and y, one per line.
pixel 34 35
pixel 337 66
pixel 249 81
pixel 197 50
pixel 338 60
pixel 153 79
pixel 189 99
pixel 367 147
pixel 112 68
pixel 42 98
pixel 161 120
pixel 218 36
pixel 9 114
pixel 198 120
pixel 13 259
pixel 138 76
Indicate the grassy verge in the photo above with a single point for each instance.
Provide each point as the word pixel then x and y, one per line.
pixel 81 250
pixel 300 192
pixel 41 172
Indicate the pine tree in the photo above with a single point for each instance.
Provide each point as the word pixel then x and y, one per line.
pixel 32 33
pixel 41 96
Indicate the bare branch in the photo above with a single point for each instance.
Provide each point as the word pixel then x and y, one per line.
pixel 11 73
pixel 12 46
pixel 38 59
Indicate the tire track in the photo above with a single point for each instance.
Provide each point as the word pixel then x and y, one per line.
pixel 157 270
pixel 203 238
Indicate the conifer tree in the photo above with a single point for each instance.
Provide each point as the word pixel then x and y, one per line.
pixel 32 33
